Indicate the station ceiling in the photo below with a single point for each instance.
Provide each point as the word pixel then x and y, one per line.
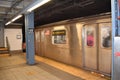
pixel 9 8
pixel 58 10
pixel 55 10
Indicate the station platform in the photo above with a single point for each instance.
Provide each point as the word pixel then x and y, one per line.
pixel 15 68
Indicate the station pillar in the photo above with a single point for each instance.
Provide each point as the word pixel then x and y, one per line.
pixel 115 6
pixel 2 35
pixel 29 34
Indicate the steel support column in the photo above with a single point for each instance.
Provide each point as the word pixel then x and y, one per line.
pixel 29 31
pixel 115 39
pixel 1 35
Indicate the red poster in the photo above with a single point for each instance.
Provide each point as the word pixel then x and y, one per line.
pixel 117 54
pixel 47 32
pixel 119 3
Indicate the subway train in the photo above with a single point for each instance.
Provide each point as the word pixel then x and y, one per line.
pixel 84 42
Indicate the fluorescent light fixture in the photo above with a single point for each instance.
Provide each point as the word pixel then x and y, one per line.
pixel 38 5
pixel 13 19
pixel 8 23
pixel 16 18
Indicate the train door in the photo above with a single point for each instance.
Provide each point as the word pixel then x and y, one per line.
pixel 97 47
pixel 105 45
pixel 42 43
pixel 90 46
pixel 37 42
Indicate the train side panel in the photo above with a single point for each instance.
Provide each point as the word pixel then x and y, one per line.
pixel 66 43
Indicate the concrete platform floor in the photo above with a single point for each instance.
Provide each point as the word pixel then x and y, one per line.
pixel 15 68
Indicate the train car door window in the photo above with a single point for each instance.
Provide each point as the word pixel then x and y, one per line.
pixel 37 36
pixel 90 37
pixel 59 37
pixel 106 37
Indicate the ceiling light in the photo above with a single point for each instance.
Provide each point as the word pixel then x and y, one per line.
pixel 8 23
pixel 38 5
pixel 16 18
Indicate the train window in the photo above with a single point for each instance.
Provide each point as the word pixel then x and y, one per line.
pixel 59 37
pixel 106 37
pixel 42 36
pixel 90 37
pixel 37 34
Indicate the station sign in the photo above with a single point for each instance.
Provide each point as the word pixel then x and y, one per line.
pixel 59 32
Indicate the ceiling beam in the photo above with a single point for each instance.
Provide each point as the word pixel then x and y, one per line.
pixel 3 13
pixel 16 24
pixel 1 20
pixel 8 6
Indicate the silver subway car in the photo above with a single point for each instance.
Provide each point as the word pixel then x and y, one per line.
pixel 82 42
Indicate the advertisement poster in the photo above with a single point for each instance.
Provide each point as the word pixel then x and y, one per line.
pixel 106 37
pixel 90 37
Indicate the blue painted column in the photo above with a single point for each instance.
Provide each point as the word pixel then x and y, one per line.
pixel 115 39
pixel 2 35
pixel 29 34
